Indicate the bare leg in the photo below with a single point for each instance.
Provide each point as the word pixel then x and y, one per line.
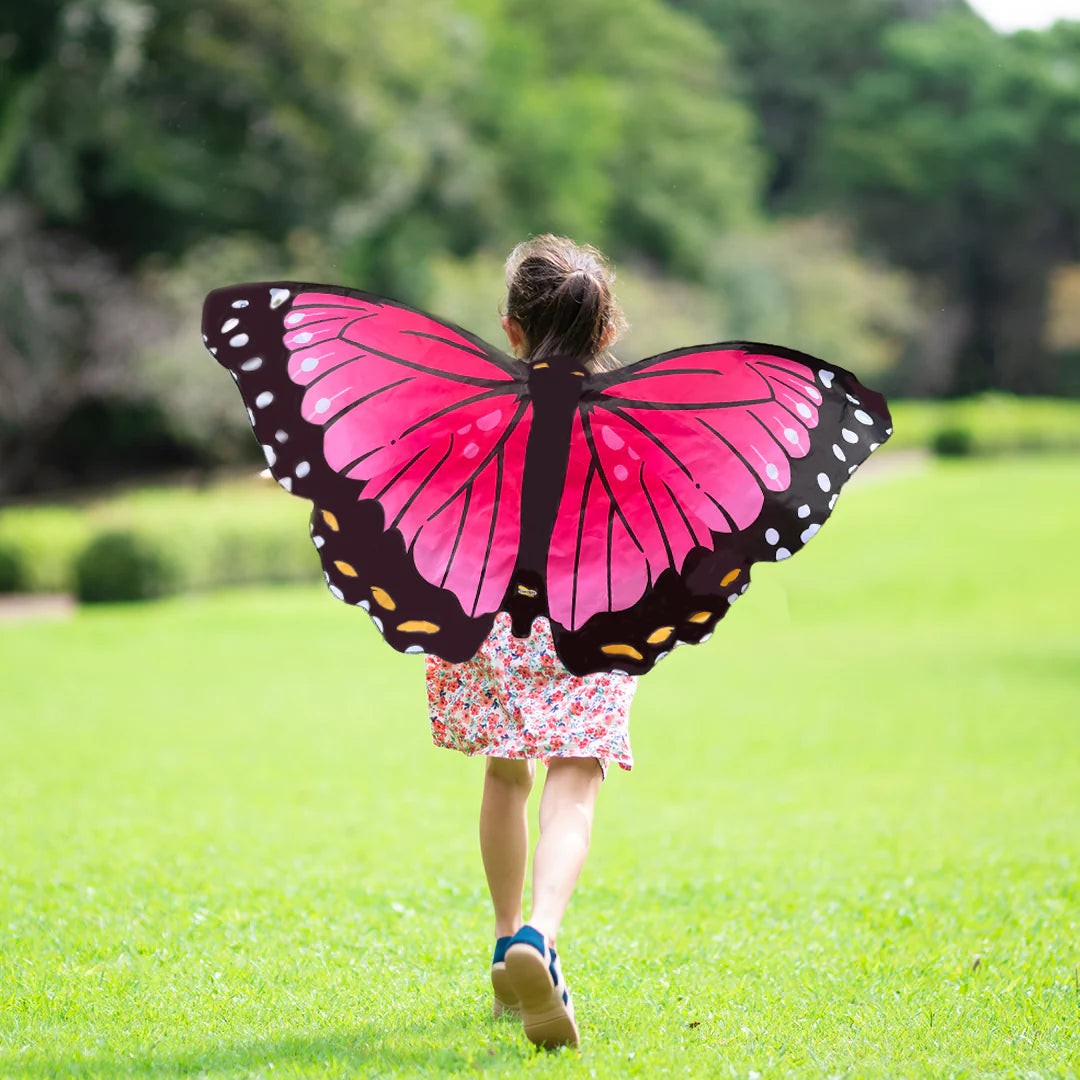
pixel 504 837
pixel 566 816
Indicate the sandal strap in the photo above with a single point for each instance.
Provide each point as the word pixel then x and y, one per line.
pixel 501 945
pixel 529 935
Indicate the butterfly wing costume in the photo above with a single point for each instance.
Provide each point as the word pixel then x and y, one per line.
pixel 450 481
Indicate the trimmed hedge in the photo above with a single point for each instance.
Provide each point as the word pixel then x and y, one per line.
pixel 12 569
pixel 246 530
pixel 117 566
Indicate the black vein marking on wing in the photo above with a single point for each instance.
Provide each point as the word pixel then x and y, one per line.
pixel 487 395
pixel 610 402
pixel 382 304
pixel 586 428
pixel 323 374
pixel 677 461
pixel 678 506
pixel 610 541
pixel 653 439
pixel 656 518
pixel 728 444
pixel 792 381
pixel 345 470
pixel 473 380
pixel 475 350
pixel 497 449
pixel 398 475
pixel 420 487
pixel 457 539
pixel 580 533
pixel 491 532
pixel 360 401
pixel 768 431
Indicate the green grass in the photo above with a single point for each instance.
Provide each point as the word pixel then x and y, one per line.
pixel 850 845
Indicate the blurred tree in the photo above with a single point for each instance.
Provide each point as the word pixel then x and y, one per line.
pixel 680 163
pixel 147 127
pixel 795 63
pixel 958 158
pixel 71 326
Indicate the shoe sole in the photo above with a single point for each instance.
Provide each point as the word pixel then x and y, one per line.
pixel 505 999
pixel 548 1022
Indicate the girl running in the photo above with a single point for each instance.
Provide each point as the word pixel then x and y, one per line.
pixel 514 701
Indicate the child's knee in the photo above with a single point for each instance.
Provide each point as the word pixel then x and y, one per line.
pixel 519 772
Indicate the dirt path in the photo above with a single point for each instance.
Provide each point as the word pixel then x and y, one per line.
pixel 21 607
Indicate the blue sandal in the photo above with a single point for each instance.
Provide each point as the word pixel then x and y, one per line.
pixel 506 1001
pixel 536 980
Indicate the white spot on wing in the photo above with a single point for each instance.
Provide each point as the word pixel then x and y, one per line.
pixel 252 365
pixel 809 531
pixel 281 436
pixel 823 481
pixel 264 399
pixel 849 436
pixel 229 324
pixel 486 423
pixel 612 438
pixel 826 377
pixel 804 511
pixel 240 303
pixel 302 469
pixel 278 297
pixel 782 553
pixel 863 417
pixel 337 592
pixel 772 536
pixel 238 340
pixel 771 471
pixel 286 483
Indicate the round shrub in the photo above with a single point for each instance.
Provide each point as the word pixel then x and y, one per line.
pixel 122 566
pixel 12 569
pixel 952 441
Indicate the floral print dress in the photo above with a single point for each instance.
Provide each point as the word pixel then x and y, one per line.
pixel 514 699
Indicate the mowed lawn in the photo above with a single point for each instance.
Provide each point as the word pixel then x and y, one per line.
pixel 850 845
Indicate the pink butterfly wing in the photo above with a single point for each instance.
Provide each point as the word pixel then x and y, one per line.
pixel 684 470
pixel 436 433
pixel 360 401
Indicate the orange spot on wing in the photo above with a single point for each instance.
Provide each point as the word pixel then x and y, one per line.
pixel 345 568
pixel 383 598
pixel 622 650
pixel 660 635
pixel 330 520
pixel 727 579
pixel 418 626
pixel 701 616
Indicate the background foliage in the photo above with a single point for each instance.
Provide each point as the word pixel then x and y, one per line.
pixel 885 182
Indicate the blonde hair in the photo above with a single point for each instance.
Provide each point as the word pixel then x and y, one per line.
pixel 563 296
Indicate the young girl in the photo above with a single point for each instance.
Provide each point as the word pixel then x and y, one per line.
pixel 515 703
